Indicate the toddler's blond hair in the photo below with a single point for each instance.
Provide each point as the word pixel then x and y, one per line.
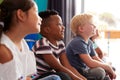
pixel 79 20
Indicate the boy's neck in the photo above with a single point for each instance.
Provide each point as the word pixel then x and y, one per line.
pixel 52 41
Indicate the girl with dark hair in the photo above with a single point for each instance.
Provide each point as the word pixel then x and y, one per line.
pixel 18 18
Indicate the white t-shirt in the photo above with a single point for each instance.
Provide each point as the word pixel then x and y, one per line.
pixel 23 62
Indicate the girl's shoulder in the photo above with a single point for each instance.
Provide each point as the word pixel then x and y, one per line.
pixel 5 54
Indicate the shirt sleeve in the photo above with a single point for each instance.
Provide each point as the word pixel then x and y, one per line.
pixel 79 47
pixel 95 45
pixel 42 47
pixel 92 50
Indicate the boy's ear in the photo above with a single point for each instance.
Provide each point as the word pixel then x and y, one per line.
pixel 47 29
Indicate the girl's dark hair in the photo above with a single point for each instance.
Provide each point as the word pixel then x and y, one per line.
pixel 7 7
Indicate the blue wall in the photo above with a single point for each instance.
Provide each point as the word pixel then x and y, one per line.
pixel 42 4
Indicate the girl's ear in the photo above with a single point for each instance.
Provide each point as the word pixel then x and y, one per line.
pixel 20 15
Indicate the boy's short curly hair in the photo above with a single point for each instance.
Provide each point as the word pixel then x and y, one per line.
pixel 47 13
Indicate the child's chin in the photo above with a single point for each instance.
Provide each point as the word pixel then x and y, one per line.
pixel 62 37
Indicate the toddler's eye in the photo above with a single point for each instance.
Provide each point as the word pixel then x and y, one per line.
pixel 92 24
pixel 60 24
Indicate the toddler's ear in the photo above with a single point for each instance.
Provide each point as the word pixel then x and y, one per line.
pixel 80 29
